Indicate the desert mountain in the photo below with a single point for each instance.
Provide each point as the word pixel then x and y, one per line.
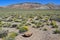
pixel 28 5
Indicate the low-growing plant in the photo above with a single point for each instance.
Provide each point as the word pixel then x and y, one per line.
pixel 47 23
pixel 10 36
pixel 6 24
pixel 56 31
pixel 0 28
pixel 7 38
pixel 23 29
pixel 1 24
pixel 37 25
pixel 13 25
pixel 3 33
pixel 44 29
pixel 19 26
pixel 46 18
pixel 54 25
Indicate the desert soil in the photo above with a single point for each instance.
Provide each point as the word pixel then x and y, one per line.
pixel 37 34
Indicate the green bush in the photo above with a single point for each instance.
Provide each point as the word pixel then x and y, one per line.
pixel 57 18
pixel 3 33
pixel 56 31
pixel 14 25
pixel 1 24
pixel 19 26
pixel 45 29
pixel 23 29
pixel 0 28
pixel 11 36
pixel 39 24
pixel 54 25
pixel 46 18
pixel 6 24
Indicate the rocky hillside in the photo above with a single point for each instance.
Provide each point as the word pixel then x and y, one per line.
pixel 34 6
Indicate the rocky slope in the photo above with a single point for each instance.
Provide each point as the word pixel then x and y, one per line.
pixel 34 6
pixel 28 5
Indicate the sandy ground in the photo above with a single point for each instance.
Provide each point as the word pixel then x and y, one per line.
pixel 37 34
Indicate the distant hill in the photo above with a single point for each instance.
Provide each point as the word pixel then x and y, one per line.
pixel 29 5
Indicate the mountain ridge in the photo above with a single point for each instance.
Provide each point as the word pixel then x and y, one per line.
pixel 30 5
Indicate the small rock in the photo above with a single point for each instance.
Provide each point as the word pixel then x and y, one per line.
pixel 27 34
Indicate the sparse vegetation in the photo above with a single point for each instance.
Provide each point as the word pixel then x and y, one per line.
pixel 19 21
pixel 10 36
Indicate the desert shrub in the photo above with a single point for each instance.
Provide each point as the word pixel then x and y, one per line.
pixel 19 26
pixel 23 29
pixel 46 18
pixel 33 22
pixel 14 25
pixel 7 38
pixel 56 31
pixel 0 28
pixel 3 33
pixel 54 25
pixel 44 29
pixel 1 24
pixel 57 18
pixel 27 24
pixel 9 20
pixel 47 23
pixel 38 25
pixel 16 20
pixel 6 24
pixel 10 36
pixel 23 22
pixel 40 17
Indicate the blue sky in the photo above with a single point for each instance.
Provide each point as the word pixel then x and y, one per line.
pixel 8 2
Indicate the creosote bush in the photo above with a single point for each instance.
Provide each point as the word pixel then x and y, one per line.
pixel 3 33
pixel 19 26
pixel 1 24
pixel 6 24
pixel 54 25
pixel 56 31
pixel 44 29
pixel 23 29
pixel 10 36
